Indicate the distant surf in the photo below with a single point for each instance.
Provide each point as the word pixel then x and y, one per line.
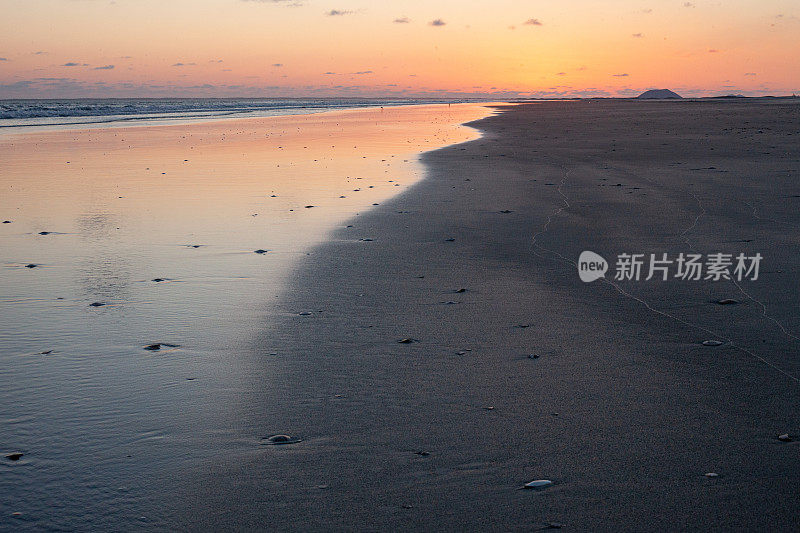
pixel 108 112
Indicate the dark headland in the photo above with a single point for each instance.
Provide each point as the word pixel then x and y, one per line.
pixel 637 423
pixel 659 94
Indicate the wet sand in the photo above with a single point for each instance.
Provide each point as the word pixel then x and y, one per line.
pixel 124 240
pixel 624 409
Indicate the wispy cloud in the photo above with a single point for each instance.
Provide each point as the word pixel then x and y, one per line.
pixel 74 64
pixel 277 64
pixel 402 20
pixel 533 22
pixel 105 67
pixel 437 22
pixel 338 12
pixel 638 35
pixel 184 64
pixel 623 75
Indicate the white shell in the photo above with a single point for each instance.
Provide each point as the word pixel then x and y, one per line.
pixel 712 343
pixel 712 474
pixel 538 484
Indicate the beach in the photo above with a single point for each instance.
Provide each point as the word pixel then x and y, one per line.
pixel 637 423
pixel 422 359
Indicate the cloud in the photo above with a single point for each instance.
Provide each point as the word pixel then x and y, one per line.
pixel 3 59
pixel 688 4
pixel 183 64
pixel 215 61
pixel 561 74
pixel 749 73
pixel 623 75
pixel 362 72
pixel 713 51
pixel 73 64
pixel 437 22
pixel 105 67
pixel 401 20
pixel 338 12
pixel 40 53
pixel 533 22
pixel 277 64
pixel 330 73
pixel 638 35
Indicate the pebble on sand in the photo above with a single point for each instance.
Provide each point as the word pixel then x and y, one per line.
pixel 712 343
pixel 96 304
pixel 6 222
pixel 727 301
pixel 153 347
pixel 711 474
pixel 785 437
pixel 16 456
pixel 260 251
pixel 280 439
pixel 538 484
pixel 31 265
pixel 406 341
pixel 158 280
pixel 45 232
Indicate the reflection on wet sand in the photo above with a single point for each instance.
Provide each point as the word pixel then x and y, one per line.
pixel 103 214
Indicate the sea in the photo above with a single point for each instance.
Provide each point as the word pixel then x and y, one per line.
pixel 87 113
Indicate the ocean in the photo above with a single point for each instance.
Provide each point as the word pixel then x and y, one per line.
pixel 15 114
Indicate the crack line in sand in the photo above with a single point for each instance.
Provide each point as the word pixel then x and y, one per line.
pixel 621 291
pixel 732 280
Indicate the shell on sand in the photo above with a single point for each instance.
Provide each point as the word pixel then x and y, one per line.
pixel 712 343
pixel 538 484
pixel 279 439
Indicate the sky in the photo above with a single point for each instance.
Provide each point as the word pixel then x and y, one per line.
pixel 409 48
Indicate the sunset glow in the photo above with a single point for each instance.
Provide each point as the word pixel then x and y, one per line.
pixel 73 48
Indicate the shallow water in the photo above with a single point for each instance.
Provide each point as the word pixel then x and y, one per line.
pixel 97 416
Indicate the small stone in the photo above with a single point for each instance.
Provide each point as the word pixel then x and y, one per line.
pixel 304 313
pixel 423 453
pixel 16 456
pixel 461 353
pixel 727 301
pixel 44 233
pixel 6 222
pixel 96 304
pixel 785 437
pixel 533 356
pixel 711 474
pixel 280 439
pixel 31 265
pixel 449 240
pixel 153 347
pixel 538 484
pixel 405 341
pixel 260 251
pixel 46 352
pixel 309 206
pixel 506 211
pixel 489 408
pixel 712 343
pixel 459 291
pixel 158 280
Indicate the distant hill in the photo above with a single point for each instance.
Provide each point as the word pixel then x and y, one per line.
pixel 658 94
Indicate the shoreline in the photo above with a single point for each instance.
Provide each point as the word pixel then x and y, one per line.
pixel 140 263
pixel 624 409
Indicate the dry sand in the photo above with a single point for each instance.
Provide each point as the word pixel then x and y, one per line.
pixel 624 410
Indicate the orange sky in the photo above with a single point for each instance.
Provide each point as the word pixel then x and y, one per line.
pixel 502 48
